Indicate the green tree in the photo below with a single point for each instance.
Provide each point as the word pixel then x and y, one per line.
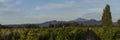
pixel 3 26
pixel 51 25
pixel 74 23
pixel 119 22
pixel 106 18
pixel 32 26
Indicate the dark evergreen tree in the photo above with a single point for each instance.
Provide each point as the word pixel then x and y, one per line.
pixel 32 26
pixel 119 22
pixel 51 25
pixel 106 18
pixel 3 26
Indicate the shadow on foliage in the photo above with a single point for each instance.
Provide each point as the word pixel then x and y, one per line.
pixel 116 36
pixel 90 35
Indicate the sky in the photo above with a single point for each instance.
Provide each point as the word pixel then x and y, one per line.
pixel 38 11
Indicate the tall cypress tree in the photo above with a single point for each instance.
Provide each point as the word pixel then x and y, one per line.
pixel 119 22
pixel 106 18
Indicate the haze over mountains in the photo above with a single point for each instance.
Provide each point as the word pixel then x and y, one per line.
pixel 55 22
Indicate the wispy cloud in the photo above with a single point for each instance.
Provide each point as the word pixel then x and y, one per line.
pixel 36 16
pixel 10 3
pixel 65 16
pixel 94 1
pixel 97 10
pixel 69 4
pixel 4 1
pixel 18 1
pixel 9 10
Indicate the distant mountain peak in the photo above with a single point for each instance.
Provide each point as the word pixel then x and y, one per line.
pixel 55 22
pixel 81 19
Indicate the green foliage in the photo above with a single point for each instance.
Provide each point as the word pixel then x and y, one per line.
pixel 119 23
pixel 66 33
pixel 74 23
pixel 106 18
pixel 32 26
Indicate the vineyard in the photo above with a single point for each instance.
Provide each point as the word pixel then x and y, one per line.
pixel 62 33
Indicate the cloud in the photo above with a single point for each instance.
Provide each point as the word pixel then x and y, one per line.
pixel 18 1
pixel 38 17
pixel 94 1
pixel 94 13
pixel 10 3
pixel 9 10
pixel 68 4
pixel 37 8
pixel 3 1
pixel 9 6
pixel 1 18
pixel 6 3
pixel 35 16
pixel 97 10
pixel 65 16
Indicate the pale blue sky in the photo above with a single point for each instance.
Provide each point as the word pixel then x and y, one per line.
pixel 38 11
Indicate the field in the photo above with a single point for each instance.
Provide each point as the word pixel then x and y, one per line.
pixel 62 33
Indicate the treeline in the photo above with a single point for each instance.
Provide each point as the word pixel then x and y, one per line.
pixel 67 33
pixel 72 24
pixel 45 34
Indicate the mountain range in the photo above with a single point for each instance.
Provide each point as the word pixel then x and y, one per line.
pixel 55 22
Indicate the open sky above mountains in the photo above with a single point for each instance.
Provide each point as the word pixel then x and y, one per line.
pixel 37 11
